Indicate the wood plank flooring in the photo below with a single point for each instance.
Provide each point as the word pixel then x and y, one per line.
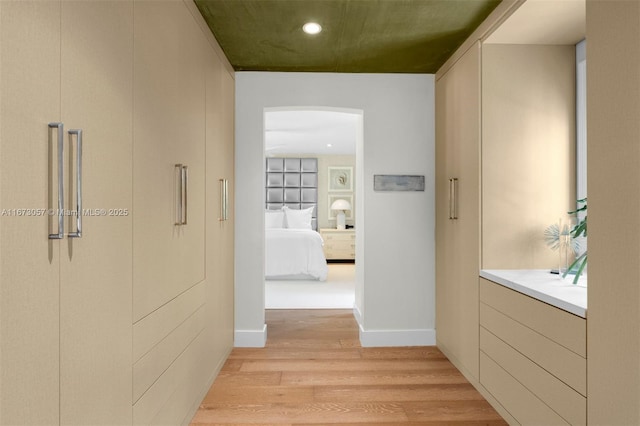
pixel 313 371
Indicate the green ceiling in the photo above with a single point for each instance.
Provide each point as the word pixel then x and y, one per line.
pixel 372 36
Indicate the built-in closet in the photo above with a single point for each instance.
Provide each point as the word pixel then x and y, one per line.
pixel 119 308
pixel 505 170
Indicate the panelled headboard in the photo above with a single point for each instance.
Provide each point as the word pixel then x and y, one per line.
pixel 293 182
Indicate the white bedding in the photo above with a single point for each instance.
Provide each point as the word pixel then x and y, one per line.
pixel 294 254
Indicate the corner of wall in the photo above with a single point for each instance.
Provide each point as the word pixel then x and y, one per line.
pixel 250 338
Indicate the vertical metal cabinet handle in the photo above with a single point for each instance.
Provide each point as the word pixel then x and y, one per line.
pixel 60 128
pixel 184 175
pixel 178 220
pixel 450 199
pixel 226 200
pixel 78 134
pixel 221 217
pixel 455 198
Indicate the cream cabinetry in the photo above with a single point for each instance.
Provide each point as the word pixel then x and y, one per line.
pixel 169 129
pixel 182 273
pixel 65 303
pixel 220 232
pixel 532 357
pixel 457 213
pixel 128 324
pixel 339 244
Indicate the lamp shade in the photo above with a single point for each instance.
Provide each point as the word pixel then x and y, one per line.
pixel 340 205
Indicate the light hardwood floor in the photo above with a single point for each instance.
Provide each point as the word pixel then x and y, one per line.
pixel 314 371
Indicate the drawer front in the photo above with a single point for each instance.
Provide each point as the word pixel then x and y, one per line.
pixel 521 403
pixel 566 365
pixel 340 245
pixel 560 326
pixel 340 254
pixel 339 236
pixel 562 399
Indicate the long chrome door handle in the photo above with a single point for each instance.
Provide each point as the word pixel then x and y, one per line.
pixel 60 129
pixel 184 174
pixel 221 217
pixel 450 198
pixel 78 134
pixel 226 199
pixel 454 198
pixel 178 171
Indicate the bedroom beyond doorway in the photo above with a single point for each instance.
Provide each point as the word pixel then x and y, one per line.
pixel 337 292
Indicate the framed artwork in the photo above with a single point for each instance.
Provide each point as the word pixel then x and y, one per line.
pixel 348 214
pixel 340 179
pixel 398 183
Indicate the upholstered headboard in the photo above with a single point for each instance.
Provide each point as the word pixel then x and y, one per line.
pixel 293 182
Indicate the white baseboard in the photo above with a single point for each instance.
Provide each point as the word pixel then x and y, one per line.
pixel 250 338
pixel 378 338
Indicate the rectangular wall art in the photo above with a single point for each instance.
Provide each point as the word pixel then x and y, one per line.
pixel 398 183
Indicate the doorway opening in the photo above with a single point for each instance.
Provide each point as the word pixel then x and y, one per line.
pixel 323 146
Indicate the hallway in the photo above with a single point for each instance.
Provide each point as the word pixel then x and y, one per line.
pixel 314 371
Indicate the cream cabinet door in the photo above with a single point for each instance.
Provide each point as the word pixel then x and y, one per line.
pixel 227 152
pixel 457 240
pixel 29 261
pixel 169 129
pixel 95 289
pixel 65 303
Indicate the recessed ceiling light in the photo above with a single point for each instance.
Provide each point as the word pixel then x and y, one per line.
pixel 311 28
pixel 329 145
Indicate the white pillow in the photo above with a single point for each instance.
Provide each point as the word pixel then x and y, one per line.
pixel 298 219
pixel 273 219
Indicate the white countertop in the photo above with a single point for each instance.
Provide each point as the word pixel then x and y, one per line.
pixel 544 286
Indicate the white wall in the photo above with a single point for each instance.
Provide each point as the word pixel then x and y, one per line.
pixel 395 233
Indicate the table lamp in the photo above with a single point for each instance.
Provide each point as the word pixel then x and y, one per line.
pixel 340 205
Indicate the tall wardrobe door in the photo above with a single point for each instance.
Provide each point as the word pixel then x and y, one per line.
pixel 468 223
pixel 458 240
pixel 215 265
pixel 29 261
pixel 228 154
pixel 169 129
pixel 96 281
pixel 220 159
pixel 447 278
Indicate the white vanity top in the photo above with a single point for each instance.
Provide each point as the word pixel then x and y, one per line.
pixel 544 286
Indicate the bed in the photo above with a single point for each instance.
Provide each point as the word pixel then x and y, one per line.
pixel 293 250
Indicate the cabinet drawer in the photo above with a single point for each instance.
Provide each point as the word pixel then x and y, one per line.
pixel 521 403
pixel 346 237
pixel 561 398
pixel 568 366
pixel 560 326
pixel 340 254
pixel 340 245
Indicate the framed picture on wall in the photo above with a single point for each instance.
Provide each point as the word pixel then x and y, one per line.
pixel 348 214
pixel 340 179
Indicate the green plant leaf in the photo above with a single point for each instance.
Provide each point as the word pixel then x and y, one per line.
pixel 578 259
pixel 580 269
